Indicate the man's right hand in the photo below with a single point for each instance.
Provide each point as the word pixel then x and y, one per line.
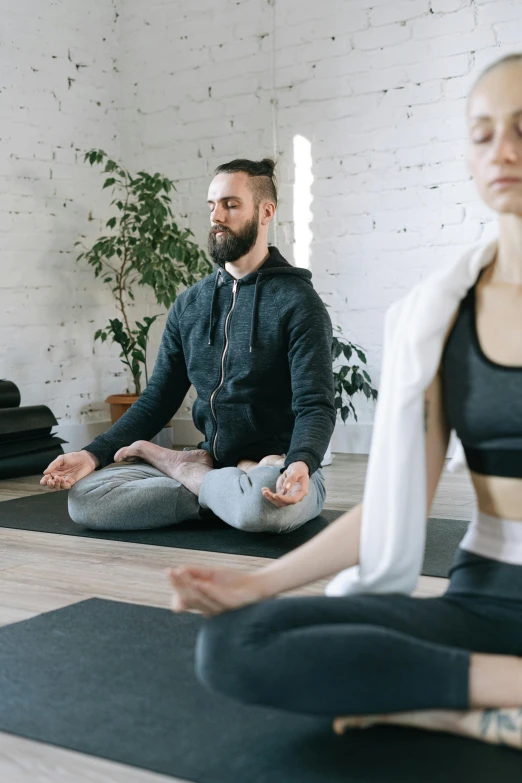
pixel 67 469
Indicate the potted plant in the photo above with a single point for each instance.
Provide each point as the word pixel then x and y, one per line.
pixel 349 379
pixel 146 247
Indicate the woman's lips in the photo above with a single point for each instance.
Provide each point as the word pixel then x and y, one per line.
pixel 502 183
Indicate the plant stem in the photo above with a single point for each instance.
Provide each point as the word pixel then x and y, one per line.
pixel 121 290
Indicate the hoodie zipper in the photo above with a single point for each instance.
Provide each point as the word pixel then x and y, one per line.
pixel 223 357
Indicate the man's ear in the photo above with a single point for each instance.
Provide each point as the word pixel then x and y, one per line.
pixel 267 212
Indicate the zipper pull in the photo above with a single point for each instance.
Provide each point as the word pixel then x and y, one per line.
pixel 234 287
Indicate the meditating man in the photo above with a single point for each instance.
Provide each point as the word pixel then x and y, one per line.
pixel 254 339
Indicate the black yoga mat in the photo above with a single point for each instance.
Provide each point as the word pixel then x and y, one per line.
pixel 117 681
pixel 30 421
pixel 9 395
pixel 47 513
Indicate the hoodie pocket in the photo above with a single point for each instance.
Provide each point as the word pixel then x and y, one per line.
pixel 237 430
pixel 200 414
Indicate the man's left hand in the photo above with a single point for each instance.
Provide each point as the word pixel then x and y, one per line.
pixel 291 487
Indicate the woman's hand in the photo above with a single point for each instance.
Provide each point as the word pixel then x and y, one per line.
pixel 210 591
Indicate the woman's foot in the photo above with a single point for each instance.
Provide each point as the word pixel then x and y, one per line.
pixel 167 460
pixel 497 726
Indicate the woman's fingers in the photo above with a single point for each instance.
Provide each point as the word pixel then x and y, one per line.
pixel 187 597
pixel 191 595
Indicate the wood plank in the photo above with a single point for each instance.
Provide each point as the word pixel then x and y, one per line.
pixel 26 761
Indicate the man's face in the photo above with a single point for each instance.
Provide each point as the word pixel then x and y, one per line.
pixel 234 218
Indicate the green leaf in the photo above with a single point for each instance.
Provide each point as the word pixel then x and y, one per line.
pixel 347 351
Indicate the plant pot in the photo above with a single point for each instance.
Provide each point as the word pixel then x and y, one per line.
pixel 120 403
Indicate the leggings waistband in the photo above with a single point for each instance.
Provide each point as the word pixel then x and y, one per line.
pixel 472 574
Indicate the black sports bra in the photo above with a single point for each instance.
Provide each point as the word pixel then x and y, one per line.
pixel 482 399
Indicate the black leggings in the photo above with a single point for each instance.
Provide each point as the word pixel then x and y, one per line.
pixel 366 654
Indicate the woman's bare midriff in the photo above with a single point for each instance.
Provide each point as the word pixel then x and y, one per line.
pixel 498 496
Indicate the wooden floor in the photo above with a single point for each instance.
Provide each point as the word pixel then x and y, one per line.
pixel 40 572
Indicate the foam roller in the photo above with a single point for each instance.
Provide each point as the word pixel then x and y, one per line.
pixel 9 395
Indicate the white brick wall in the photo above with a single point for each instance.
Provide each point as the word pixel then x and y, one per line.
pixel 377 86
pixel 59 96
pixel 57 92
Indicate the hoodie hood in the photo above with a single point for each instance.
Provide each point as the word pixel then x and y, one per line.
pixel 275 264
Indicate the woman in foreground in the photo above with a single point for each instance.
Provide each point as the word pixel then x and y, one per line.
pixel 454 662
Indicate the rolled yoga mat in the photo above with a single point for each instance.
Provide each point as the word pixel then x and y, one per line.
pixel 47 513
pixel 28 464
pixel 28 445
pixel 116 681
pixel 30 421
pixel 9 395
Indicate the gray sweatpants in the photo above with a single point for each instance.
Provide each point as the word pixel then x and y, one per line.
pixel 138 496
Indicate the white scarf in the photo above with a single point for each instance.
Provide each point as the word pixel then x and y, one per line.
pixel 394 504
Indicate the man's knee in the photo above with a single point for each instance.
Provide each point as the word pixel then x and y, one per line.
pixel 81 502
pixel 251 511
pixel 257 515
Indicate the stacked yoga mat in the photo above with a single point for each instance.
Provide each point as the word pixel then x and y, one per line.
pixel 26 443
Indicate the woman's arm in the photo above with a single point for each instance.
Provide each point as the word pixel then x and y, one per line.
pixel 334 549
pixel 337 547
pixel 437 435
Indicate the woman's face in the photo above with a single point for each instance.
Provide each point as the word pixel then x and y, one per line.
pixel 495 138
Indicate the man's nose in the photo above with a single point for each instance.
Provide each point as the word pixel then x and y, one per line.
pixel 218 215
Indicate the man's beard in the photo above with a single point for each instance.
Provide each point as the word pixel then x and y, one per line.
pixel 233 245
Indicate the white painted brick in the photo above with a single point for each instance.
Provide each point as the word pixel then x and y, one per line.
pixel 446 67
pixel 388 79
pixel 434 25
pixel 322 89
pixel 494 13
pixel 448 6
pixel 380 37
pixel 509 33
pixel 480 38
pixel 398 11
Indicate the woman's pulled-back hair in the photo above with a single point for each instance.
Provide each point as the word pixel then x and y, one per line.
pixel 508 59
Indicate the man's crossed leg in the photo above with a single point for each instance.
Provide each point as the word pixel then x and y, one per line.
pixel 174 486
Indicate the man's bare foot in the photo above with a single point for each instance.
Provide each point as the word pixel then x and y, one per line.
pixel 166 460
pixel 496 726
pixel 247 465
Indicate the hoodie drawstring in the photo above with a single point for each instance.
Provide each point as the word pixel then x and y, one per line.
pixel 212 308
pixel 254 313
